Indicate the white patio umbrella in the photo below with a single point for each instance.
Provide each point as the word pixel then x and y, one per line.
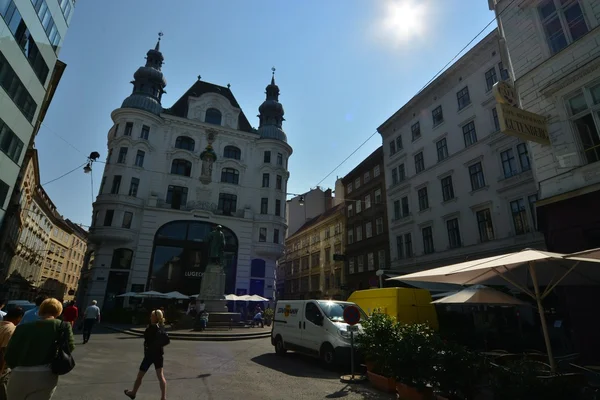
pixel 177 295
pixel 231 297
pixel 128 294
pixel 152 293
pixel 256 297
pixel 521 269
pixel 479 294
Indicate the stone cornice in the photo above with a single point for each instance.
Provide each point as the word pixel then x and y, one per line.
pixel 567 79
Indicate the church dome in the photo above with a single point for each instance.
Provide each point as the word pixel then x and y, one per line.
pixel 272 132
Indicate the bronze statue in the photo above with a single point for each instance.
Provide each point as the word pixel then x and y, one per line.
pixel 216 244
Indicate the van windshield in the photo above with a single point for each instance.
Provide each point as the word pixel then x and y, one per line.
pixel 334 310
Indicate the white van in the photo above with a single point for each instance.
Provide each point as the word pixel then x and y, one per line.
pixel 313 327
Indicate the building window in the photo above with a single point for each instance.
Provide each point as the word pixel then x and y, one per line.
pixel 349 188
pixel 428 240
pixel 122 159
pixel 477 178
pixel 367 176
pixel 415 130
pixel 509 164
pixel 392 147
pixel 504 75
pixel 278 207
pixel 453 233
pixel 262 234
pixel 496 120
pixel 327 255
pixel 519 216
pixel 360 263
pixel 367 201
pixel 227 203
pixel 463 98
pixel 275 235
pixel 121 259
pixel 213 116
pixel 399 145
pixel 279 159
pixel 185 143
pixel 45 17
pixel 359 233
pixel 357 183
pixel 447 188
pixel 563 22
pixel 10 144
pixel 127 218
pixel 265 180
pixel 442 149
pixel 181 167
pixel 405 209
pixel 128 129
pixel 133 187
pixel 177 196
pixel 397 214
pixel 371 262
pixel 232 152
pixel 65 6
pixel 523 156
pixel 116 184
pixel 394 176
pixel 315 260
pixel 419 162
pixel 230 175
pixel 351 269
pixel 381 259
pixel 145 133
pixel 469 134
pixel 484 223
pixel 4 188
pixel 267 157
pixel 24 40
pixel 423 199
pixel 376 171
pixel 108 217
pixel 369 230
pixel 139 158
pixel 350 236
pixel 378 196
pixel 437 115
pixel 350 210
pixel 490 78
pixel 401 173
pixel 264 205
pixel 531 200
pixel 581 110
pixel 379 226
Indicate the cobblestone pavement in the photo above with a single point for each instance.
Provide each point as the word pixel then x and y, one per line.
pixel 246 370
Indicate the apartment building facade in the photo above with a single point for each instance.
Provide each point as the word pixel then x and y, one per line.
pixel 457 188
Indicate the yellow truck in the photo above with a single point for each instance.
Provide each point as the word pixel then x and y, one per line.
pixel 406 305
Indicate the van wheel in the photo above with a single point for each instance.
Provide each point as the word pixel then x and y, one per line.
pixel 328 355
pixel 279 346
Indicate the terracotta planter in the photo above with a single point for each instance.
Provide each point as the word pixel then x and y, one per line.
pixel 406 392
pixel 382 383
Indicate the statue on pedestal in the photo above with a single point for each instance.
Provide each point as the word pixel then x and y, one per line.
pixel 216 244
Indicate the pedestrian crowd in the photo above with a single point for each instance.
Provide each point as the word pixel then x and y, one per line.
pixel 36 347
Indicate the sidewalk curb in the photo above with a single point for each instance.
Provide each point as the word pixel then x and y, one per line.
pixel 197 337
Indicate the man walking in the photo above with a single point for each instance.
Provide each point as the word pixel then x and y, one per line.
pixel 90 317
pixel 7 328
pixel 32 315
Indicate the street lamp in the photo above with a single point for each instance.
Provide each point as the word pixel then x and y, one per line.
pixel 94 155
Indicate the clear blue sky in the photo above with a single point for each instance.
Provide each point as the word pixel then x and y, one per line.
pixel 343 67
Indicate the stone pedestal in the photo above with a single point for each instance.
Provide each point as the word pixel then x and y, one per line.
pixel 212 289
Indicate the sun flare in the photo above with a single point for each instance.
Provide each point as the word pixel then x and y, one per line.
pixel 404 20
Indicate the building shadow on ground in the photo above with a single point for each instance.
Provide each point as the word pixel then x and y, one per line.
pixel 295 364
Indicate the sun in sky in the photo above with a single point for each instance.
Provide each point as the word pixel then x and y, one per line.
pixel 403 20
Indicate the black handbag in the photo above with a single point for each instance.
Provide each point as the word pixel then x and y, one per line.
pixel 62 360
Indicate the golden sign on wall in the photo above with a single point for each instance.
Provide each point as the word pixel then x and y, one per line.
pixel 515 121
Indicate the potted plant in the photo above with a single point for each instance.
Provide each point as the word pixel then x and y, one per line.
pixel 268 316
pixel 459 372
pixel 416 357
pixel 376 342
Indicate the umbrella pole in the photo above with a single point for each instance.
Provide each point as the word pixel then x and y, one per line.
pixel 538 298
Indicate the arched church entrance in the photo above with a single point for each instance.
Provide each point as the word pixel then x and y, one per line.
pixel 180 255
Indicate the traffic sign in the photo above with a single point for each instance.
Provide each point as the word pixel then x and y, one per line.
pixel 351 315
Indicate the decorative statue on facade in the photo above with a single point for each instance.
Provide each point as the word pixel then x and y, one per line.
pixel 216 245
pixel 208 157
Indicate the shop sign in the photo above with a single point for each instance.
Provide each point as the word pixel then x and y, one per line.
pixel 523 124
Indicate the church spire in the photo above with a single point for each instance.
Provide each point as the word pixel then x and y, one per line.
pixel 149 83
pixel 271 113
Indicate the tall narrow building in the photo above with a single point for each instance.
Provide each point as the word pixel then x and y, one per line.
pixel 32 33
pixel 171 176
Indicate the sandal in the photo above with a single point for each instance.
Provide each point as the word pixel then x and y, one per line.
pixel 127 393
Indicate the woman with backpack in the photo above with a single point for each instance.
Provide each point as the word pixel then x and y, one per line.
pixel 155 339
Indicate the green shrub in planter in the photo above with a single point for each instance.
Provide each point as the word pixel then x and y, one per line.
pixel 380 333
pixel 459 372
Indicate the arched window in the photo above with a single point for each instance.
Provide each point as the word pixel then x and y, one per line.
pixel 232 152
pixel 230 175
pixel 121 259
pixel 213 116
pixel 181 167
pixel 185 143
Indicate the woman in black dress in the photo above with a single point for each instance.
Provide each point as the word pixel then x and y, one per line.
pixel 153 354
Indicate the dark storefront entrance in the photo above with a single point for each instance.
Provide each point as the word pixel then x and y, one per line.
pixel 180 256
